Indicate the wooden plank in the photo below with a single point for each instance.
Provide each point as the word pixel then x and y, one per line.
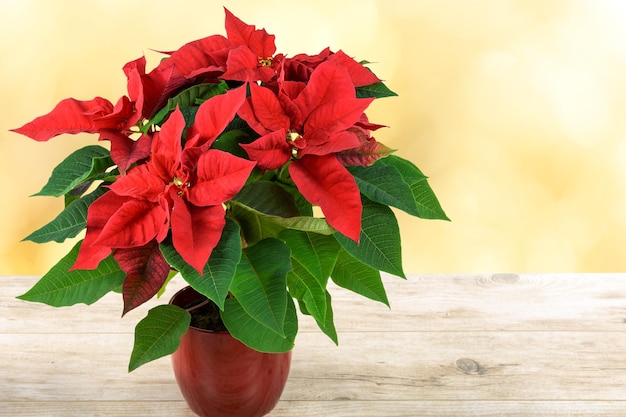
pixel 95 409
pixel 328 408
pixel 479 345
pixel 588 302
pixel 401 366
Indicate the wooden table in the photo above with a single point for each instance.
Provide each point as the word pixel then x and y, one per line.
pixel 451 345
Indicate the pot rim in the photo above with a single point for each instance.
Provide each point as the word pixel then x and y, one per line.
pixel 189 288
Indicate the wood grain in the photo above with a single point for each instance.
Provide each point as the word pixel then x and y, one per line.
pixel 327 408
pixel 451 345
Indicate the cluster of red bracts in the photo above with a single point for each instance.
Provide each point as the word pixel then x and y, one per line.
pixel 304 110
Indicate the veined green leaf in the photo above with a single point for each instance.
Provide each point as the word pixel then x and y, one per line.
pixel 313 258
pixel 229 142
pixel 270 204
pixel 305 208
pixel 77 192
pixel 75 169
pixel 158 334
pixel 260 283
pixel 328 325
pixel 303 223
pixel 316 253
pixel 254 225
pixel 62 287
pixel 384 184
pixel 380 239
pixel 355 276
pixel 305 288
pixel 428 206
pixel 219 271
pixel 262 226
pixel 376 90
pixel 245 328
pixel 68 223
pixel 267 198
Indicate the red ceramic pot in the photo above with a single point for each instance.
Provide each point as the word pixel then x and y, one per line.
pixel 221 377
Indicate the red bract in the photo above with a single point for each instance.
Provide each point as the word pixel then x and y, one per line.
pixel 146 271
pixel 98 115
pixel 181 189
pixel 310 129
pixel 203 57
pixel 75 116
pixel 126 151
pixel 301 66
pixel 150 91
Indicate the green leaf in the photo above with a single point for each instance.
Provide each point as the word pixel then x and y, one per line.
pixel 428 206
pixel 355 276
pixel 77 192
pixel 62 287
pixel 313 257
pixel 269 205
pixel 302 223
pixel 191 97
pixel 304 207
pixel 260 283
pixel 305 288
pixel 384 184
pixel 328 325
pixel 316 253
pixel 245 328
pixel 207 91
pixel 219 271
pixel 253 205
pixel 229 142
pixel 380 239
pixel 267 198
pixel 254 225
pixel 158 334
pixel 75 169
pixel 376 90
pixel 68 223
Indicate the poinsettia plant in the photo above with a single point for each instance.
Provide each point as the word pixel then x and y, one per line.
pixel 216 161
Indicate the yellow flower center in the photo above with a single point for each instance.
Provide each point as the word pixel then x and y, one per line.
pixel 265 62
pixel 293 136
pixel 180 184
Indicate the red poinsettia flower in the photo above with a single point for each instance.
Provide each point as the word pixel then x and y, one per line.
pixel 311 128
pixel 252 57
pixel 245 54
pixel 178 189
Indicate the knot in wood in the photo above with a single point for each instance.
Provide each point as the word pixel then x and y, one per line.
pixel 467 366
pixel 505 278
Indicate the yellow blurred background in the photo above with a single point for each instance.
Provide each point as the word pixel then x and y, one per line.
pixel 514 108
